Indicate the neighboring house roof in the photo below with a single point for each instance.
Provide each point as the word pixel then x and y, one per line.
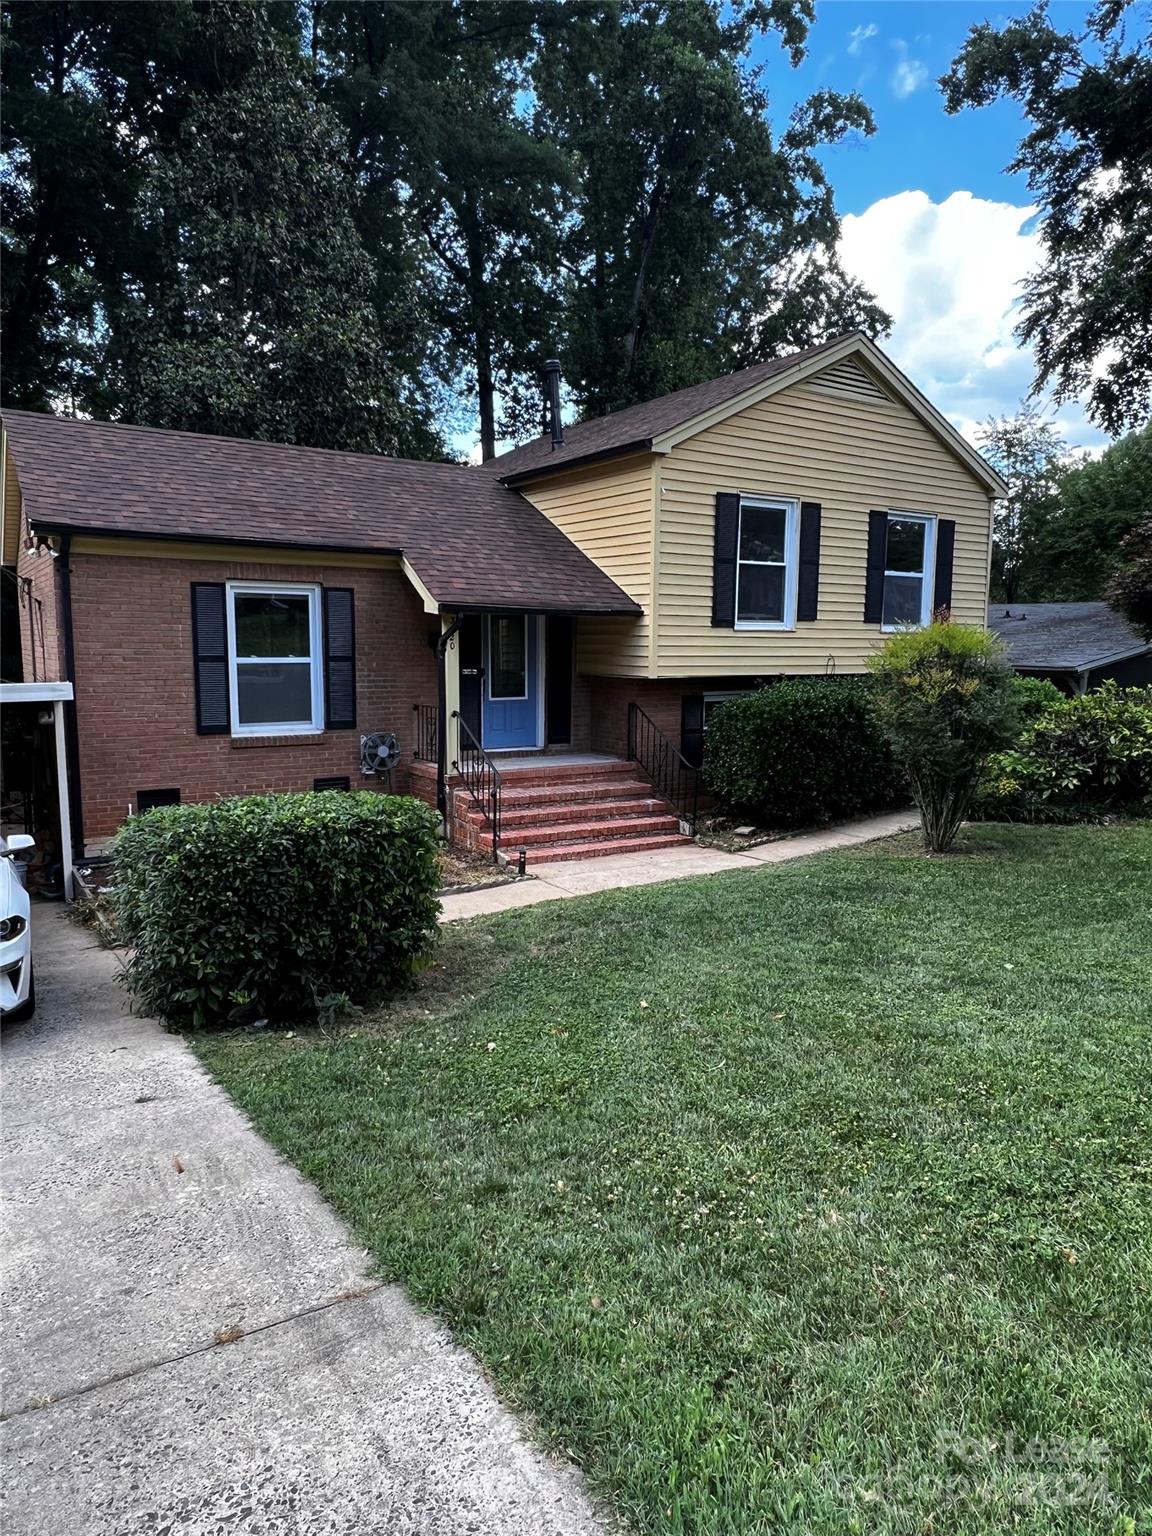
pixel 470 540
pixel 1064 637
pixel 657 425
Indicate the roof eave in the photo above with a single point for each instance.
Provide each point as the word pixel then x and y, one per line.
pixel 568 610
pixel 87 530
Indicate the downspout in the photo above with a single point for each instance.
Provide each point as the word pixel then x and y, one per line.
pixel 442 731
pixel 71 730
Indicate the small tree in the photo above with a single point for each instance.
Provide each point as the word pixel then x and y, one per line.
pixel 947 700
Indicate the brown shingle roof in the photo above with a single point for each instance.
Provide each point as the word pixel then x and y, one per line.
pixel 636 426
pixel 471 540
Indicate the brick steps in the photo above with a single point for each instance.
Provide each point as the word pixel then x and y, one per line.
pixel 515 820
pixel 565 811
pixel 540 838
pixel 555 853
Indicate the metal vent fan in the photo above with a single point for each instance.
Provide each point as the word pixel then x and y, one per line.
pixel 379 754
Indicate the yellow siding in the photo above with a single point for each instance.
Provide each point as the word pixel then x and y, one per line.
pixel 851 453
pixel 608 511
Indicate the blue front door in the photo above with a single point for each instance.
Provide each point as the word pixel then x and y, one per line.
pixel 511 682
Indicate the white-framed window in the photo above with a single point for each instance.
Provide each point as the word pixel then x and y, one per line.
pixel 274 659
pixel 766 561
pixel 712 699
pixel 508 656
pixel 908 570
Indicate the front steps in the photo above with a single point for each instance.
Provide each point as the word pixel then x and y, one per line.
pixel 562 811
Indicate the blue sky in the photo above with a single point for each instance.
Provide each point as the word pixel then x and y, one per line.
pixel 933 221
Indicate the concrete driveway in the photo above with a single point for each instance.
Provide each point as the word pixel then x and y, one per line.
pixel 146 1225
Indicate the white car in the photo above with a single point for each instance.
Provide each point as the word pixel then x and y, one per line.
pixel 17 989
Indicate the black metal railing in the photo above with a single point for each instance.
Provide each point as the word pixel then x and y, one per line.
pixel 426 733
pixel 480 777
pixel 662 762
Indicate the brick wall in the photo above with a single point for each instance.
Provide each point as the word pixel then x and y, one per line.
pixel 38 585
pixel 135 695
pixel 661 701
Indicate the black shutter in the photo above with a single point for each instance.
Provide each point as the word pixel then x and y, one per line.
pixel 724 560
pixel 874 576
pixel 945 549
pixel 808 582
pixel 210 653
pixel 692 728
pixel 339 659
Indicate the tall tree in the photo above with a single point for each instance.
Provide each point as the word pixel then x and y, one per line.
pixel 434 98
pixel 1087 309
pixel 93 91
pixel 1030 454
pixel 258 320
pixel 700 241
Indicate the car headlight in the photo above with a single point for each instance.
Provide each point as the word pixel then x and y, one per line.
pixel 11 927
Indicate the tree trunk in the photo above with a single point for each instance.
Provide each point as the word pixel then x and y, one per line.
pixel 647 242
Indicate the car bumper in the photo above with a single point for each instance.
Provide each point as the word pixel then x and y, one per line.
pixel 15 973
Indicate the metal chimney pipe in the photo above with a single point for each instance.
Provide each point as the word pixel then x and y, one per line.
pixel 552 401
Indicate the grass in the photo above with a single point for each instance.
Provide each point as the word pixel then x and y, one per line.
pixel 810 1200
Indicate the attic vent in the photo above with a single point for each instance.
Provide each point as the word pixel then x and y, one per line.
pixel 847 378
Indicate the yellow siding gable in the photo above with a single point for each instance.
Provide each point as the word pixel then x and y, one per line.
pixel 608 511
pixel 836 440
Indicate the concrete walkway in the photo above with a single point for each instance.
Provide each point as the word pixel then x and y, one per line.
pixel 146 1224
pixel 616 871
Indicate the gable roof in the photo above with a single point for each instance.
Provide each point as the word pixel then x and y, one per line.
pixel 470 540
pixel 657 425
pixel 1064 637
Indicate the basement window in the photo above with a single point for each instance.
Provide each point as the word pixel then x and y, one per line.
pixel 274 659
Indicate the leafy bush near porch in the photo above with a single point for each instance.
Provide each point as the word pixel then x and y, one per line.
pixel 801 751
pixel 1082 758
pixel 947 699
pixel 275 907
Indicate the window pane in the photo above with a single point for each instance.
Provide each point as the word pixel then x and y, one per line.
pixel 762 533
pixel 271 624
pixel 905 545
pixel 507 659
pixel 276 694
pixel 761 594
pixel 902 599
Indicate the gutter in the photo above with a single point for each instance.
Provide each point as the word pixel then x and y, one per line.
pixel 71 726
pixel 67 530
pixel 577 461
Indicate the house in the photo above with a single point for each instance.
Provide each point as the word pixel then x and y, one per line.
pixel 544 634
pixel 1077 646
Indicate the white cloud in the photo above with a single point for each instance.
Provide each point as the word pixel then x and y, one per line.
pixel 860 35
pixel 909 74
pixel 949 275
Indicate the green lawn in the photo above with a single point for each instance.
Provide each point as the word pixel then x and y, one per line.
pixel 768 1195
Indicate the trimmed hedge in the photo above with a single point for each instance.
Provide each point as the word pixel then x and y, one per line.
pixel 1081 759
pixel 276 907
pixel 800 752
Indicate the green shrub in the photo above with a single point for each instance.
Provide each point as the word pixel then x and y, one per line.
pixel 1083 758
pixel 1034 695
pixel 801 751
pixel 275 907
pixel 947 699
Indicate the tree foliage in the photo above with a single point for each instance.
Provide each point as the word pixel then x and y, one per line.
pixel 462 187
pixel 1030 455
pixel 1087 309
pixel 1130 588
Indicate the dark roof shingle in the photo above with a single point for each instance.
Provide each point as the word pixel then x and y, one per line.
pixel 471 540
pixel 1063 637
pixel 637 425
